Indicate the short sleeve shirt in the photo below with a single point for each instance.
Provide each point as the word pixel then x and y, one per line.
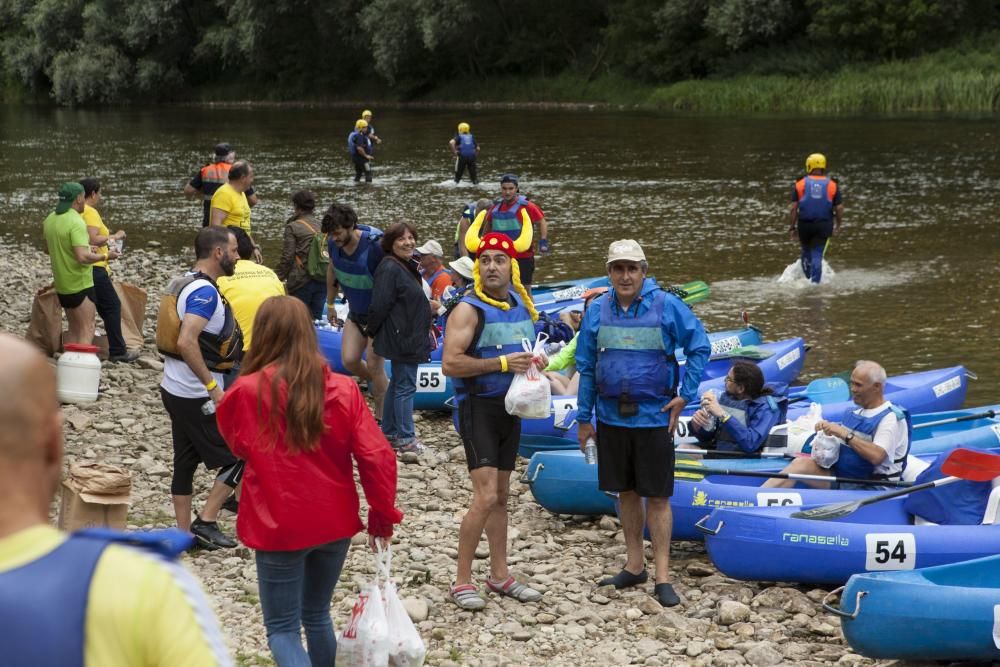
pixel 63 232
pixel 93 219
pixel 235 205
pixel 890 435
pixel 202 299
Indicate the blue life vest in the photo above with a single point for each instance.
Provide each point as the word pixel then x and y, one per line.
pixel 632 360
pixel 434 276
pixel 43 604
pixel 467 145
pixel 959 503
pixel 815 202
pixel 740 409
pixel 508 222
pixel 502 333
pixel 850 463
pixel 353 275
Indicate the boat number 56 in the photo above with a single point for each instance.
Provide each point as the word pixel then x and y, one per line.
pixel 890 551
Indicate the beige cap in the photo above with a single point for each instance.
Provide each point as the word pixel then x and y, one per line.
pixel 626 249
pixel 432 247
pixel 463 266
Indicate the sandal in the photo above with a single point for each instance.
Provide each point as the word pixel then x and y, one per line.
pixel 515 589
pixel 467 596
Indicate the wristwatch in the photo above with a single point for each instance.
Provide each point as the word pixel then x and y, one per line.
pixel 849 437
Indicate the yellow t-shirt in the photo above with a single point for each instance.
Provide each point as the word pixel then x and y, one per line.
pixel 246 289
pixel 94 219
pixel 235 205
pixel 141 611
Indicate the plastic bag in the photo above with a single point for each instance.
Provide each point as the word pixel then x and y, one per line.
pixel 530 395
pixel 364 641
pixel 825 450
pixel 406 648
pixel 803 428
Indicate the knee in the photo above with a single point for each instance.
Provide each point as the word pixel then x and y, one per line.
pixel 484 501
pixel 657 505
pixel 501 500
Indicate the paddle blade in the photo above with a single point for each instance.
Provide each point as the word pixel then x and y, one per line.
pixel 689 469
pixel 828 390
pixel 971 464
pixel 827 512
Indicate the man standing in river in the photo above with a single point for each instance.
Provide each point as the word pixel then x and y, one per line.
pixel 815 214
pixel 507 217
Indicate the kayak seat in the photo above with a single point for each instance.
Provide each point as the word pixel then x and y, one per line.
pixel 914 467
pixel 992 515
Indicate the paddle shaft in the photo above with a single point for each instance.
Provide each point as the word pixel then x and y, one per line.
pixel 989 414
pixel 796 476
pixel 684 450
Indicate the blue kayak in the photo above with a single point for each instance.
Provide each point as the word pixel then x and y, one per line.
pixel 944 613
pixel 767 544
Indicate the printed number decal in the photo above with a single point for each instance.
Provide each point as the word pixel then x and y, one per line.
pixel 725 344
pixel 778 499
pixel 890 551
pixel 788 358
pixel 562 408
pixel 683 435
pixel 947 386
pixel 430 379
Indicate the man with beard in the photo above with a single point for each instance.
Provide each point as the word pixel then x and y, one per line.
pixel 199 341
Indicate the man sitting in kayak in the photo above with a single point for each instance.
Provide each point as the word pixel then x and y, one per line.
pixel 875 438
pixel 741 419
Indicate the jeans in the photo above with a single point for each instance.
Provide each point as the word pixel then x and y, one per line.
pixel 397 410
pixel 109 307
pixel 295 592
pixel 313 294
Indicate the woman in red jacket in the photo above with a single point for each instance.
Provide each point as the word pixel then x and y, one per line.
pixel 299 506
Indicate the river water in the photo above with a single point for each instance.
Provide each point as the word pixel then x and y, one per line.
pixel 916 266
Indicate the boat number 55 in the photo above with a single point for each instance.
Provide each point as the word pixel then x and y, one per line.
pixel 890 551
pixel 430 379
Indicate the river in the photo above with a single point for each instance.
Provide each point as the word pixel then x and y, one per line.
pixel 916 265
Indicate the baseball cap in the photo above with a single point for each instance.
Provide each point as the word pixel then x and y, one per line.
pixel 432 247
pixel 627 250
pixel 68 192
pixel 509 178
pixel 223 149
pixel 463 266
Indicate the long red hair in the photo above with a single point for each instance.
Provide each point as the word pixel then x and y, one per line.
pixel 283 336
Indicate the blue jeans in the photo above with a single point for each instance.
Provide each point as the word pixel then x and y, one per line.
pixel 295 592
pixel 313 294
pixel 397 410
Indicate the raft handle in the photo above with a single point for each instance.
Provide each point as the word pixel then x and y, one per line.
pixel 700 525
pixel 969 374
pixel 840 612
pixel 450 402
pixel 524 478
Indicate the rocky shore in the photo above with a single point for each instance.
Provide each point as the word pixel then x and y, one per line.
pixel 720 621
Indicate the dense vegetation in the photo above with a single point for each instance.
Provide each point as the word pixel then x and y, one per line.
pixel 728 54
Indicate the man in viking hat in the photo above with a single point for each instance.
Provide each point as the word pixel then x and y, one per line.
pixel 482 352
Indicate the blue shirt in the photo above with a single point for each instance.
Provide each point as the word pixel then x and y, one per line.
pixel 681 329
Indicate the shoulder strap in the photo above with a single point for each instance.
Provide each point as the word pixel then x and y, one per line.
pixel 309 225
pixel 167 543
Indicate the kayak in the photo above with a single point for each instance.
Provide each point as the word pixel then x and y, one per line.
pixel 944 613
pixel 767 544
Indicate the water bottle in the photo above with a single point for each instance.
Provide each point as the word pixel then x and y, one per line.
pixel 590 451
pixel 208 407
pixel 713 421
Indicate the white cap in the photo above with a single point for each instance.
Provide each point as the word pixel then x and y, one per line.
pixel 432 247
pixel 627 250
pixel 463 266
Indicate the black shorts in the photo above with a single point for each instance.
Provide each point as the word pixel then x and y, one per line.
pixel 75 300
pixel 527 267
pixel 196 436
pixel 490 435
pixel 360 320
pixel 635 459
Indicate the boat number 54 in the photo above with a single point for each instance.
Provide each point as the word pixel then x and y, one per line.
pixel 890 551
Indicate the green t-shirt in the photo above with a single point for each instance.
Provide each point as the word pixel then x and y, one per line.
pixel 62 232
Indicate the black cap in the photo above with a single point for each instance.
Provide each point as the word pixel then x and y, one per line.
pixel 223 149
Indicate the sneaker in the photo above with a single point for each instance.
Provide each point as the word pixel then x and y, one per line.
pixel 467 597
pixel 414 446
pixel 209 536
pixel 515 589
pixel 127 358
pixel 231 504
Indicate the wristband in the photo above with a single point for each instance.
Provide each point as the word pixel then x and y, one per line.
pixel 211 385
pixel 329 304
pixel 503 363
pixel 725 418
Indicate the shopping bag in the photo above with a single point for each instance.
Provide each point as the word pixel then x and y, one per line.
pixel 801 430
pixel 825 450
pixel 45 329
pixel 133 300
pixel 364 642
pixel 406 648
pixel 529 395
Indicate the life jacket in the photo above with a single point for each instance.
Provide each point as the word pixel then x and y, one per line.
pixel 632 361
pixel 43 604
pixel 851 464
pixel 501 333
pixel 468 213
pixel 353 275
pixel 213 176
pixel 220 350
pixel 467 145
pixel 508 222
pixel 318 257
pixel 959 503
pixel 352 148
pixel 740 409
pixel 815 196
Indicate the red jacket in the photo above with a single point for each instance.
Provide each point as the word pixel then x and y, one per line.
pixel 294 501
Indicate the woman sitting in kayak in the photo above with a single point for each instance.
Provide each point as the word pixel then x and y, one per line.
pixel 741 419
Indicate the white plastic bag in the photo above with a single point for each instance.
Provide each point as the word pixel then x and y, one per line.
pixel 803 428
pixel 530 395
pixel 364 641
pixel 825 450
pixel 406 648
